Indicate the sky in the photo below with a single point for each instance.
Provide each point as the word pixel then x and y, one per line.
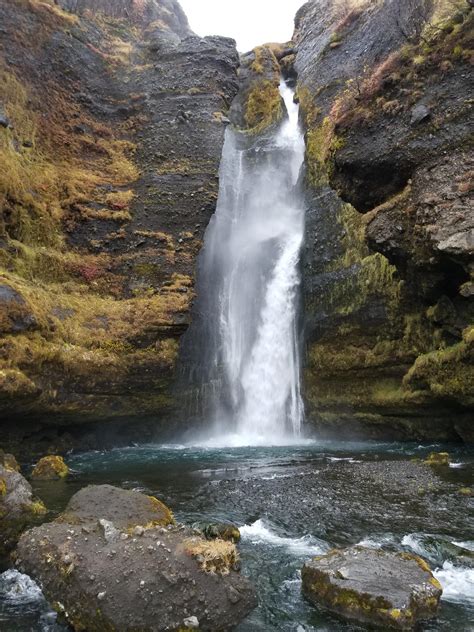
pixel 250 22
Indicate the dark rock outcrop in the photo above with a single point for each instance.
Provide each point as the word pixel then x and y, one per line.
pixel 387 261
pixel 393 590
pixel 114 560
pixel 18 507
pixel 116 116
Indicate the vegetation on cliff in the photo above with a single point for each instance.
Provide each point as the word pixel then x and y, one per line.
pixel 377 353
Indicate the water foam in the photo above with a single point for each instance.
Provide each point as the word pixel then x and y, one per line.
pixel 457 583
pixel 259 533
pixel 18 588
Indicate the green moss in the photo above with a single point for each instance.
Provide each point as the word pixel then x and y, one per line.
pixel 50 468
pixel 321 144
pixel 263 106
pixel 437 458
pixel 447 372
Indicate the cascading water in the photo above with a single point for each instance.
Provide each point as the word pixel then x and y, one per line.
pixel 246 313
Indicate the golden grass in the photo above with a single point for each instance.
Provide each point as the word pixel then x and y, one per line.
pixel 213 556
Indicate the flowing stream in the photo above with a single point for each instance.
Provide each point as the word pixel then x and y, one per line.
pixel 291 503
pixel 246 319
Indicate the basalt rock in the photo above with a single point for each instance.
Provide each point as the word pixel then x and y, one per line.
pixel 115 560
pixel 19 509
pixel 116 116
pixel 393 590
pixel 388 253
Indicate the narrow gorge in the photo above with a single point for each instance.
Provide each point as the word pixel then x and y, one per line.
pixel 237 284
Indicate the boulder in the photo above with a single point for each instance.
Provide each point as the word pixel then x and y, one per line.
pixel 9 462
pixel 437 458
pixel 115 559
pixel 50 468
pixel 221 530
pixel 18 507
pixel 393 590
pixel 15 315
pixel 419 114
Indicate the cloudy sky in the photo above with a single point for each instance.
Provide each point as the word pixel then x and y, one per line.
pixel 250 22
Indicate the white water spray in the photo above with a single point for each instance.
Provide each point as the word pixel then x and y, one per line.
pixel 248 288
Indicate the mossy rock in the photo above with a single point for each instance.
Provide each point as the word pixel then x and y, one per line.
pixel 437 458
pixel 19 509
pixel 50 468
pixel 393 590
pixel 9 462
pixel 126 509
pixel 222 531
pixel 78 558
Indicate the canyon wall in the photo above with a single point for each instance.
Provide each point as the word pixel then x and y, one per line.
pixel 386 94
pixel 112 120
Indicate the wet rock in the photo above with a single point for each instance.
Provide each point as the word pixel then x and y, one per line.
pixel 438 458
pixel 166 579
pixel 394 590
pixel 18 508
pixel 223 531
pixel 9 462
pixel 50 468
pixel 419 114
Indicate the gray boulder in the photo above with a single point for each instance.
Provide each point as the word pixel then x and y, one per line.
pixel 393 590
pixel 18 507
pixel 116 560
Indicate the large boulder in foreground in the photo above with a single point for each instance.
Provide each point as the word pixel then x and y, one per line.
pixel 116 560
pixel 19 509
pixel 393 590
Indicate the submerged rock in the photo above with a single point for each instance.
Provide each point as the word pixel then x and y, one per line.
pixel 395 590
pixel 50 468
pixel 221 530
pixel 437 458
pixel 115 559
pixel 18 507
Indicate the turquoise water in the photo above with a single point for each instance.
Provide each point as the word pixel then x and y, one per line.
pixel 290 503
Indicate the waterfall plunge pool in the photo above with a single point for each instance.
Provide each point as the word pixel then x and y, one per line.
pixel 291 503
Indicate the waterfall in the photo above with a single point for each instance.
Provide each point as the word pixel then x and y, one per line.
pixel 245 324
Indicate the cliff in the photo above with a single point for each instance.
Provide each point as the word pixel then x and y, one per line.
pixel 385 91
pixel 112 119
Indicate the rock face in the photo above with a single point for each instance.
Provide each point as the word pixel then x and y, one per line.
pixel 392 590
pixel 115 117
pixel 115 560
pixel 18 507
pixel 388 255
